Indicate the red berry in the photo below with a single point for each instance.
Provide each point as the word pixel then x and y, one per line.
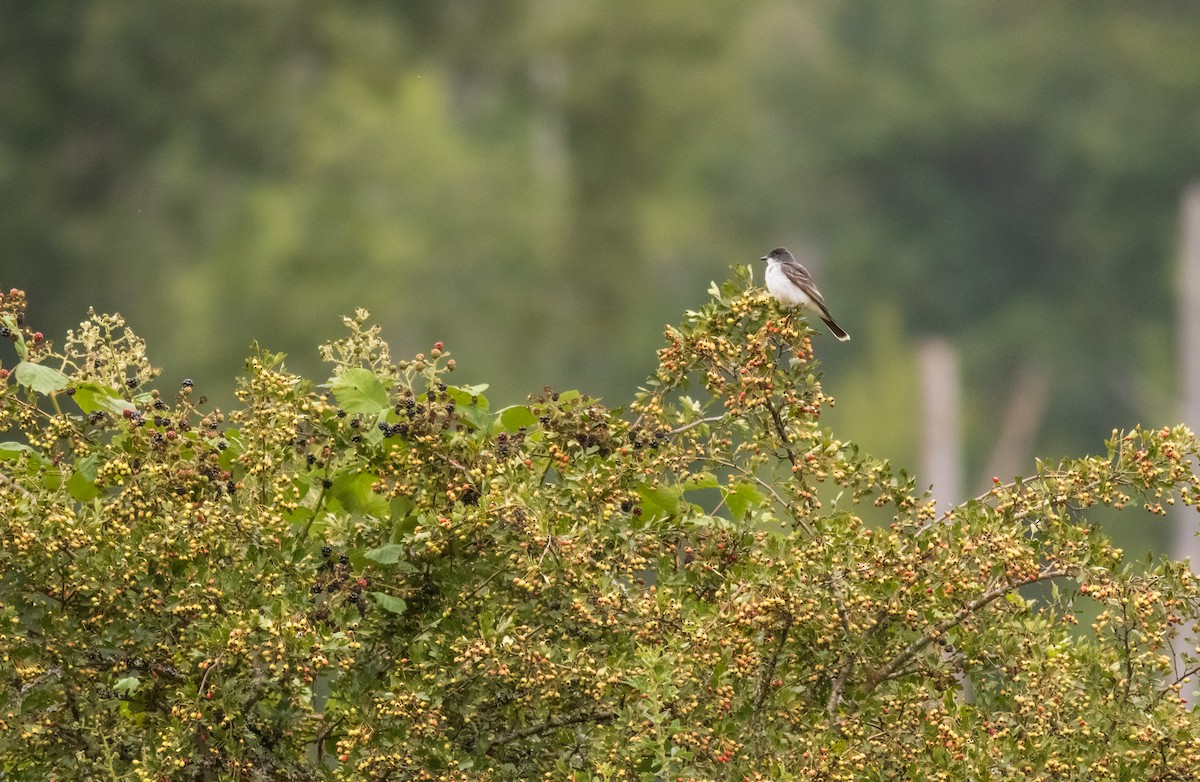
pixel 38 336
pixel 438 346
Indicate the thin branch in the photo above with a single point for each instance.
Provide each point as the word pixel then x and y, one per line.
pixel 327 729
pixel 207 671
pixel 553 723
pixel 697 422
pixel 847 666
pixel 768 671
pixel 315 514
pixel 768 488
pixel 787 444
pixel 4 479
pixel 916 647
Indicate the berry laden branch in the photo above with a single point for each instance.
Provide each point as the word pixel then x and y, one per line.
pixel 561 721
pixel 877 677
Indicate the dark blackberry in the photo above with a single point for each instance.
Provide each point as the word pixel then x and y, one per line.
pixel 187 382
pixel 326 551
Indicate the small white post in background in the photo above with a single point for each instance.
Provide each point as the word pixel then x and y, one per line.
pixel 941 450
pixel 1187 521
pixel 941 441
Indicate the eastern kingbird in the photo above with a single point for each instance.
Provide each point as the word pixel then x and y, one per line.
pixel 792 286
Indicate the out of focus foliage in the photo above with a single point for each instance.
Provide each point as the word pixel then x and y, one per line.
pixel 545 182
pixel 381 576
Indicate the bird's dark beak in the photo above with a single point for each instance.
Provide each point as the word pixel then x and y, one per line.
pixel 763 258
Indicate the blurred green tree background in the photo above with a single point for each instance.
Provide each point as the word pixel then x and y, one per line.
pixel 543 184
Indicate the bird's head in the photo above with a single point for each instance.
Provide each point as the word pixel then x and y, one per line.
pixel 778 254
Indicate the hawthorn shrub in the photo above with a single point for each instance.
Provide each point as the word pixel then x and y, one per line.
pixel 380 577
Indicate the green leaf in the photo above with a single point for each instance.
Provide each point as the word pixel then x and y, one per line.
pixel 19 341
pixel 127 685
pixel 513 418
pixel 741 497
pixel 43 380
pixel 10 451
pixel 472 406
pixel 474 390
pixel 385 555
pixel 353 490
pixel 359 390
pixel 659 502
pixel 389 603
pixel 95 398
pixel 82 484
pixel 702 480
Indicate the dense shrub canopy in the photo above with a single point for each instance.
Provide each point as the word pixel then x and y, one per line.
pixel 382 577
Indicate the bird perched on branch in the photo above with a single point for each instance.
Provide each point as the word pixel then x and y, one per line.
pixel 792 286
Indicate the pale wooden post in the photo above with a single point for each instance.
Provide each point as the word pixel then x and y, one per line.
pixel 1186 544
pixel 941 457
